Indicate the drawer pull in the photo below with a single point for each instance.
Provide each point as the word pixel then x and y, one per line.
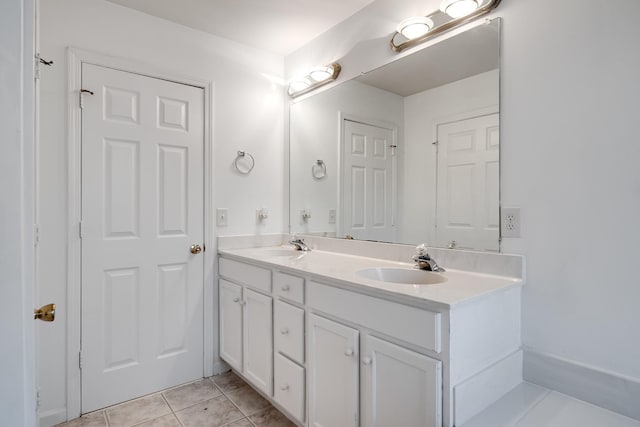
pixel 348 352
pixel 284 387
pixel 284 331
pixel 366 361
pixel 285 288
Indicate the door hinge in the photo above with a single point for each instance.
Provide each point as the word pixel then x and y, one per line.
pixel 80 230
pixel 82 92
pixel 37 64
pixel 80 359
pixel 36 234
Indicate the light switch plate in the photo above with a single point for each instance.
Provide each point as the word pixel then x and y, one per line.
pixel 332 216
pixel 221 217
pixel 510 222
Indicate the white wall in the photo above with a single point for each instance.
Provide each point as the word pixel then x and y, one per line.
pixel 569 113
pixel 315 134
pixel 247 115
pixel 17 327
pixel 423 112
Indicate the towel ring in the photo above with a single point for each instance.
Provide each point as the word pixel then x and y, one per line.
pixel 319 169
pixel 241 155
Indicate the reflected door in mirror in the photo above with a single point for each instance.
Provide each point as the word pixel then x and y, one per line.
pixel 468 184
pixel 368 189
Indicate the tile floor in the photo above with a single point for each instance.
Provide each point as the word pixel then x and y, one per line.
pixel 529 405
pixel 223 400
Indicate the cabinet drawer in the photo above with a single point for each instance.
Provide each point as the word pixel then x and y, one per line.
pixel 289 387
pixel 247 274
pixel 289 287
pixel 288 323
pixel 410 324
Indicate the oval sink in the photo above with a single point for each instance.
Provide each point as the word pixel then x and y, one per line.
pixel 402 275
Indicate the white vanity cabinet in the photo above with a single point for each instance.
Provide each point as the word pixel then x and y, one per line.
pixel 246 319
pixel 399 387
pixel 333 373
pixel 332 351
pixel 289 344
pixel 357 378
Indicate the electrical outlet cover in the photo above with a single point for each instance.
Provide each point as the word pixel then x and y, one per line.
pixel 510 222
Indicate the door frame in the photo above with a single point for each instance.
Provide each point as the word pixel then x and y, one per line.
pixel 342 117
pixel 75 59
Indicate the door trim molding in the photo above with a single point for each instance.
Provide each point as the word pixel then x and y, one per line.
pixel 75 59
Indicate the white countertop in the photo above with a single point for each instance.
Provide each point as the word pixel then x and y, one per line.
pixel 339 268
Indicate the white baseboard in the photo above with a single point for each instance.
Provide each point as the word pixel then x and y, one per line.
pixel 483 389
pixel 604 389
pixel 52 417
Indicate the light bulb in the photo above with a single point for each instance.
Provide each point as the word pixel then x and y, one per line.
pixel 321 74
pixel 298 85
pixel 458 8
pixel 415 27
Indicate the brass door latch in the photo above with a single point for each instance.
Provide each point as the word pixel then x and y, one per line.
pixel 46 313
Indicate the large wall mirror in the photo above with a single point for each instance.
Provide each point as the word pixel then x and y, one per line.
pixel 406 153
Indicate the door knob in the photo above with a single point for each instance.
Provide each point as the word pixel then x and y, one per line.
pixel 46 313
pixel 196 249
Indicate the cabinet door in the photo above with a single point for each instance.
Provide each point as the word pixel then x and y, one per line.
pixel 258 340
pixel 400 387
pixel 231 324
pixel 333 374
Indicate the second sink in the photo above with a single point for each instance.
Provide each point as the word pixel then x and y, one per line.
pixel 402 275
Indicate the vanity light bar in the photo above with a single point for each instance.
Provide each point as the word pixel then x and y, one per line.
pixel 484 7
pixel 314 79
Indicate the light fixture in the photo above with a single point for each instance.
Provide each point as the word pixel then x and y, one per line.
pixel 415 27
pixel 452 13
pixel 317 77
pixel 321 74
pixel 458 8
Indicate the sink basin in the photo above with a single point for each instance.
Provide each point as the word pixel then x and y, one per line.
pixel 402 275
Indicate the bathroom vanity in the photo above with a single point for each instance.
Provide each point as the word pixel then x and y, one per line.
pixel 331 346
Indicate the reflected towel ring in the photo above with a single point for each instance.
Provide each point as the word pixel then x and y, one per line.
pixel 241 155
pixel 319 169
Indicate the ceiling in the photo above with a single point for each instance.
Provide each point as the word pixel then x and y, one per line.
pixel 278 26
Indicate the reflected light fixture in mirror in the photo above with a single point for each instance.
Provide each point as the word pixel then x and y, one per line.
pixel 314 79
pixel 452 13
pixel 415 27
pixel 458 8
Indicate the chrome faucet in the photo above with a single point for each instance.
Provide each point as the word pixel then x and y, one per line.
pixel 424 261
pixel 299 244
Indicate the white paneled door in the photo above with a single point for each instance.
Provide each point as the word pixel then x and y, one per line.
pixel 369 182
pixel 468 184
pixel 142 210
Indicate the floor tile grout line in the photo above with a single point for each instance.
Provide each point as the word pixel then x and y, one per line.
pixel 171 408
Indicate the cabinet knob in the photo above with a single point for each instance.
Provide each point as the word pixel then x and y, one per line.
pixel 284 331
pixel 366 361
pixel 348 352
pixel 285 288
pixel 236 299
pixel 284 387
